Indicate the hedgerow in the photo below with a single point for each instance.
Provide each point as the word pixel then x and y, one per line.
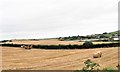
pixel 67 46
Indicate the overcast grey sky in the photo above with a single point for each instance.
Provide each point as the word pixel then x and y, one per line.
pixel 55 18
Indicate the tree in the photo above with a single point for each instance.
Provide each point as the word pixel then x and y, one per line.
pixel 105 33
pixel 87 44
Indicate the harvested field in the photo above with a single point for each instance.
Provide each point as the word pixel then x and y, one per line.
pixel 40 59
pixel 50 42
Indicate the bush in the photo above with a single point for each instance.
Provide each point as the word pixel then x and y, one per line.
pixel 90 65
pixel 88 44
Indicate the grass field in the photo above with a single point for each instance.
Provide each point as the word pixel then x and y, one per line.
pixel 40 59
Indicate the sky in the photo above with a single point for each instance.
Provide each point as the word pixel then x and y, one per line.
pixel 24 19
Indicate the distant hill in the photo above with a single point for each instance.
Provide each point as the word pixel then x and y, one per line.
pixel 92 36
pixel 112 33
pixel 78 37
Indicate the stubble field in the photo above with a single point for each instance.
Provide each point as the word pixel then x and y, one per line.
pixel 51 42
pixel 41 59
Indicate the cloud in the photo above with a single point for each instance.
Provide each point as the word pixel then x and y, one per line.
pixel 52 18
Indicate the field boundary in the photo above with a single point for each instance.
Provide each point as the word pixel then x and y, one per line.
pixel 66 46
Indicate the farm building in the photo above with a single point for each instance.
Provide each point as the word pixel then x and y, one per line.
pixel 115 39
